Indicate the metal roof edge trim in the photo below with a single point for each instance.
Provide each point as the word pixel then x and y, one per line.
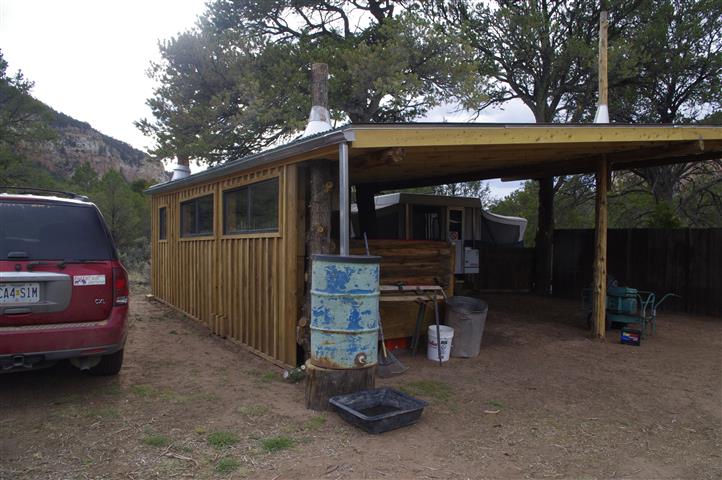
pixel 340 135
pixel 347 133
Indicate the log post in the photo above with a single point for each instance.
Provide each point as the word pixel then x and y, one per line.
pixel 366 211
pixel 323 383
pixel 318 234
pixel 599 299
pixel 544 243
pixel 322 186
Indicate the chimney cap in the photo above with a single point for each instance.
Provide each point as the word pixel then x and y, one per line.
pixel 180 171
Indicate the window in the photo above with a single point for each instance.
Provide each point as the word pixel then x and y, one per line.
pixel 426 222
pixel 52 231
pixel 162 232
pixel 197 217
pixel 253 208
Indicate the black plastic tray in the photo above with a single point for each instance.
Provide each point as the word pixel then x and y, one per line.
pixel 378 410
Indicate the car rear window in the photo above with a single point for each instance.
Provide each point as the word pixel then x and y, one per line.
pixel 45 231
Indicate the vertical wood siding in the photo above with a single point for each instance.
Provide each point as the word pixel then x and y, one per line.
pixel 245 286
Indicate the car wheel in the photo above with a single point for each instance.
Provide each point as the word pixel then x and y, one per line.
pixel 109 364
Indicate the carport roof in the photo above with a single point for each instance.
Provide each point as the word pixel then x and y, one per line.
pixel 415 154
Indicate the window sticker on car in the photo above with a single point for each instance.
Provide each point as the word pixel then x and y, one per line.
pixel 83 280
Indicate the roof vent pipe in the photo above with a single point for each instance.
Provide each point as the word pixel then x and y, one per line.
pixel 602 115
pixel 182 169
pixel 319 119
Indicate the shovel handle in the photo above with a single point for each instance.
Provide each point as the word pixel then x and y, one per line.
pixel 438 330
pixel 383 340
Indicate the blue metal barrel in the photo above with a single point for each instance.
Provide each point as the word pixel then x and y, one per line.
pixel 344 311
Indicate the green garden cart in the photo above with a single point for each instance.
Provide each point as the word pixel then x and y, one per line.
pixel 627 306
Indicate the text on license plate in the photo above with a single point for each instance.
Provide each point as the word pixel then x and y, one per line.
pixel 19 293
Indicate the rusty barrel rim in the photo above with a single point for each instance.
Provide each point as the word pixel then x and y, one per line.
pixel 345 258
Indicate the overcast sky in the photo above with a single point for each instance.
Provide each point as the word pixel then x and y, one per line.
pixel 88 59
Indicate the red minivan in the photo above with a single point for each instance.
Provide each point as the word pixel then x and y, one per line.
pixel 63 292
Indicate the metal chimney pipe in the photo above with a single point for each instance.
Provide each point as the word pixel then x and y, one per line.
pixel 319 120
pixel 344 218
pixel 182 169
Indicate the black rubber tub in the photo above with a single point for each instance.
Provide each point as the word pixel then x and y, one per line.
pixel 378 410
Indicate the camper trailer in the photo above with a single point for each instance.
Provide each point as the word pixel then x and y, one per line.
pixel 459 220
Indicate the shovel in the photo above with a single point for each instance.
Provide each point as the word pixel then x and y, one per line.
pixel 388 365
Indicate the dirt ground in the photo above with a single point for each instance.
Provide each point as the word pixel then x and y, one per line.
pixel 541 401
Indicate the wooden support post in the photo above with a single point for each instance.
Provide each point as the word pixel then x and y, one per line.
pixel 323 383
pixel 318 234
pixel 599 299
pixel 366 211
pixel 322 186
pixel 318 238
pixel 544 243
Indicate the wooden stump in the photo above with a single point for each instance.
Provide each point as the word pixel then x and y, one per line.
pixel 324 383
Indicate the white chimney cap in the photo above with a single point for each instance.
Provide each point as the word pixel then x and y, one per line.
pixel 180 171
pixel 319 121
pixel 602 115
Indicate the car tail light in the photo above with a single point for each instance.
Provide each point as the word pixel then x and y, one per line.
pixel 120 286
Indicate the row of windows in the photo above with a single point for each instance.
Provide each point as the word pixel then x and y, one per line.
pixel 248 209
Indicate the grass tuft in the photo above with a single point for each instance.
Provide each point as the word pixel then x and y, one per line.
pixel 496 404
pixel 253 410
pixel 432 389
pixel 222 439
pixel 143 390
pixel 227 465
pixel 270 377
pixel 156 440
pixel 103 412
pixel 315 423
pixel 276 444
pixel 110 389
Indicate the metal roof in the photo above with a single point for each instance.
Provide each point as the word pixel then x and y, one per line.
pixel 446 151
pixel 301 145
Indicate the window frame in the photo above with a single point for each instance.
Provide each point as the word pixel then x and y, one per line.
pixel 195 200
pixel 163 223
pixel 263 232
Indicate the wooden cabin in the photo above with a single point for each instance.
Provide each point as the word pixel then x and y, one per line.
pixel 231 245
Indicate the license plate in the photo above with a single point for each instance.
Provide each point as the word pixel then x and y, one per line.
pixel 19 293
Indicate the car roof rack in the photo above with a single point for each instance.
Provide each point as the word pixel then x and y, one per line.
pixel 75 196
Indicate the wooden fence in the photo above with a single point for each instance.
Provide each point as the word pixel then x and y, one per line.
pixel 687 262
pixel 504 269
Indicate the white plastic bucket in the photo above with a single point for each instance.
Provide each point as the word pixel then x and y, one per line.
pixel 447 334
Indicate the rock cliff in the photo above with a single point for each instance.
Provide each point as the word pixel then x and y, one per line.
pixel 77 143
